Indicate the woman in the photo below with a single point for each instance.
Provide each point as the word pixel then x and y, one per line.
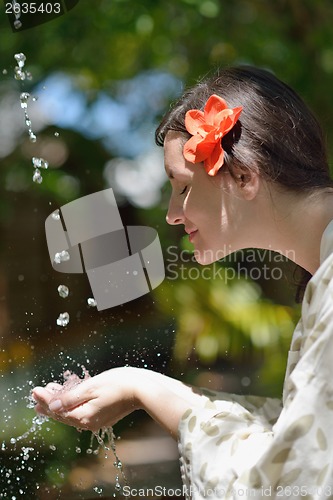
pixel 248 168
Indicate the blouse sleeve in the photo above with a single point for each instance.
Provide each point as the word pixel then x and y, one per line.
pixel 239 451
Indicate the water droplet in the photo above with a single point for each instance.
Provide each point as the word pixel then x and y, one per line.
pixel 135 273
pixel 40 163
pixel 63 291
pixel 32 136
pixel 98 490
pixel 63 319
pixel 20 58
pixel 56 134
pixel 12 440
pixel 92 302
pixel 24 97
pixel 4 72
pixel 37 177
pixel 61 257
pixel 17 24
pixel 56 215
pixel 19 74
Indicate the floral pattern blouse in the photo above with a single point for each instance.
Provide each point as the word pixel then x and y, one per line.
pixel 237 447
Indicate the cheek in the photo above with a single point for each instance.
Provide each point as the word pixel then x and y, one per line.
pixel 195 205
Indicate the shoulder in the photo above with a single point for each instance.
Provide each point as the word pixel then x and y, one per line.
pixel 320 285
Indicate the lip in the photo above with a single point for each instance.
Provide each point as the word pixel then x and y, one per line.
pixel 191 235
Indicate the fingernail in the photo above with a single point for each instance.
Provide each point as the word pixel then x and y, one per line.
pixel 55 405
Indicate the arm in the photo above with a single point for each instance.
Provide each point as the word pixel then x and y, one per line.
pixel 103 400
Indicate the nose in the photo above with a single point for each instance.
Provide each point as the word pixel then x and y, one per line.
pixel 175 213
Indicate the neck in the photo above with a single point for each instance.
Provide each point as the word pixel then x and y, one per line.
pixel 295 225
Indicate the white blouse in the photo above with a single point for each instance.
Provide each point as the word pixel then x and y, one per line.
pixel 254 447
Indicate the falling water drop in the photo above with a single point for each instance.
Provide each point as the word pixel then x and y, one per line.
pixel 24 97
pixel 19 74
pixel 62 256
pixel 37 177
pixel 56 215
pixel 20 58
pixel 91 302
pixel 40 163
pixel 63 319
pixel 63 291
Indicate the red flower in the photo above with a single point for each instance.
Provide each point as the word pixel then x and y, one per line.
pixel 207 128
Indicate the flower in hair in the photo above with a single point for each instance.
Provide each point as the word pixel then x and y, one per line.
pixel 208 127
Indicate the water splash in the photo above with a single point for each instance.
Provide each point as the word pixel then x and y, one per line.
pixel 107 441
pixel 105 437
pixel 21 74
pixel 22 459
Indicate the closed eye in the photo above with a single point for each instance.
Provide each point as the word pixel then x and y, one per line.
pixel 183 191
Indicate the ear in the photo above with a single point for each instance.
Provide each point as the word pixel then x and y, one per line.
pixel 247 181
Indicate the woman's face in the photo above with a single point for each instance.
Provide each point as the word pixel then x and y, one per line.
pixel 210 208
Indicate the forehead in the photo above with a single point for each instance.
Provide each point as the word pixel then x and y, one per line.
pixel 173 152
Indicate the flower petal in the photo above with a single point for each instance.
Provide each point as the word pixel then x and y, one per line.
pixel 204 150
pixel 197 150
pixel 214 105
pixel 194 118
pixel 215 161
pixel 190 148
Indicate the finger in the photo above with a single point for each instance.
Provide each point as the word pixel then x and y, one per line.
pixel 54 387
pixel 41 410
pixel 42 395
pixel 67 400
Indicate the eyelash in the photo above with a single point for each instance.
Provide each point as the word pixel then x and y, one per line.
pixel 183 191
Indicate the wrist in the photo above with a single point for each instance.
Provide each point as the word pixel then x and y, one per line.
pixel 135 381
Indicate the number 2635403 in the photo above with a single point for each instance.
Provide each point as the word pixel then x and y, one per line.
pixel 33 8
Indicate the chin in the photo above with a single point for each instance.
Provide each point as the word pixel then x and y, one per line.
pixel 207 256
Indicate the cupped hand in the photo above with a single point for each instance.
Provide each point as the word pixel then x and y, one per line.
pixel 96 402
